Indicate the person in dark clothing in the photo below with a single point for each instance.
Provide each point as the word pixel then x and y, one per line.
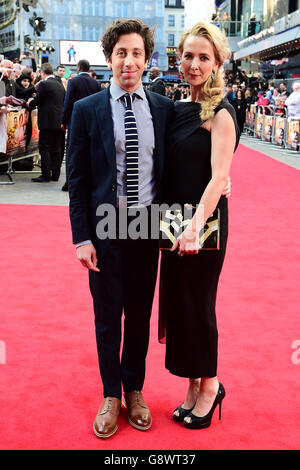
pixel 176 93
pixel 157 85
pixel 59 75
pixel 24 87
pixel 78 87
pixel 252 26
pixel 240 106
pixel 232 95
pixel 49 100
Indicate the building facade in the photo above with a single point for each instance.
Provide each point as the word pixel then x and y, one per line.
pixel 174 24
pixel 274 47
pixel 86 20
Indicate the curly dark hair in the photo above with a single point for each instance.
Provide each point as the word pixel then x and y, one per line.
pixel 127 26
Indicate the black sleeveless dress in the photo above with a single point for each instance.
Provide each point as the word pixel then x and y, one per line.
pixel 188 284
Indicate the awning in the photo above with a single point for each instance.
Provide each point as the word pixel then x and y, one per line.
pixel 275 46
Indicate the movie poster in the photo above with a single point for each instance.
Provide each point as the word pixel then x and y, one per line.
pixel 293 135
pixel 279 130
pixel 34 141
pixel 16 131
pixel 268 127
pixel 247 120
pixel 259 125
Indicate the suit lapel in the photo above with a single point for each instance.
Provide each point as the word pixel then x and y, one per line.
pixel 105 126
pixel 155 109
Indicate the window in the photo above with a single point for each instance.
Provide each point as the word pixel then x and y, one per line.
pixel 171 20
pixel 92 8
pixel 171 40
pixel 122 10
pixel 182 21
pixel 64 32
pixel 84 33
pixel 172 3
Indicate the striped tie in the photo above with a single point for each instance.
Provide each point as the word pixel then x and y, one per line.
pixel 132 154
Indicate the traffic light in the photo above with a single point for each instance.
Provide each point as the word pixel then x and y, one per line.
pixel 37 23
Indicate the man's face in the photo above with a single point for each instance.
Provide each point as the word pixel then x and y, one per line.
pixel 9 66
pixel 153 73
pixel 234 88
pixel 128 61
pixel 60 72
pixel 282 86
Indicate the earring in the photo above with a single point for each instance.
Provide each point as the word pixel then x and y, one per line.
pixel 213 77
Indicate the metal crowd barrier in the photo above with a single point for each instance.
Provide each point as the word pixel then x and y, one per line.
pixel 269 126
pixel 10 159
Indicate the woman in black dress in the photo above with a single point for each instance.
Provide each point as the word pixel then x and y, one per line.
pixel 202 141
pixel 240 107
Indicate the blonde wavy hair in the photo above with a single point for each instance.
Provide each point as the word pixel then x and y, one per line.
pixel 213 89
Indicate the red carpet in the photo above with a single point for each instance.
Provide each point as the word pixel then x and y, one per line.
pixel 49 387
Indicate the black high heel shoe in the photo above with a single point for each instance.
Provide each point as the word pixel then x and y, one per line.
pixel 183 412
pixel 200 422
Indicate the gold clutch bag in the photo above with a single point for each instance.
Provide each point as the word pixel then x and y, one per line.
pixel 173 223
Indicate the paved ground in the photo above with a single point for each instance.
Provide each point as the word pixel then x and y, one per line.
pixel 26 192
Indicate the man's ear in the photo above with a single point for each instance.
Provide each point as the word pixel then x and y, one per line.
pixel 108 61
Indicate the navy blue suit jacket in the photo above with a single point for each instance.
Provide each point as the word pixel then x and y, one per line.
pixel 92 159
pixel 78 88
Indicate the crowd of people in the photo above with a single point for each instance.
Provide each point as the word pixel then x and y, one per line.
pixel 243 91
pixel 31 87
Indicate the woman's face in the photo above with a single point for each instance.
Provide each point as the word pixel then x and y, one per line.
pixel 25 82
pixel 198 60
pixel 239 95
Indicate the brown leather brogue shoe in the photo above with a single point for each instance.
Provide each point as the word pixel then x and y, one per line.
pixel 139 415
pixel 106 421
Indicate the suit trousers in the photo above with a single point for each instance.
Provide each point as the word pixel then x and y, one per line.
pixel 125 283
pixel 50 151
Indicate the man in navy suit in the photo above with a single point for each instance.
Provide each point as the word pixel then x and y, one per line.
pixel 78 87
pixel 122 272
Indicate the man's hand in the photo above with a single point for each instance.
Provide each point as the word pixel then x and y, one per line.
pixel 88 257
pixel 227 189
pixel 4 100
